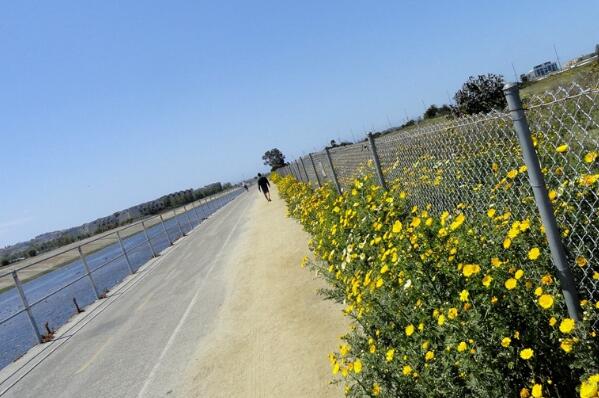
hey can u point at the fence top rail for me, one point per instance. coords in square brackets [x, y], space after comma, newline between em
[76, 245]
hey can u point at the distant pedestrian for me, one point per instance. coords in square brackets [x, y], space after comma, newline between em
[245, 187]
[263, 186]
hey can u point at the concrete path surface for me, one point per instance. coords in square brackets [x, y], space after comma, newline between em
[163, 332]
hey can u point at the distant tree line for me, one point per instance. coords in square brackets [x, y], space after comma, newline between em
[117, 219]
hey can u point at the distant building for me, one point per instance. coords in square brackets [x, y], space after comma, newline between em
[539, 71]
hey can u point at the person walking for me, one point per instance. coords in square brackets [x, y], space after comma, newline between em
[263, 186]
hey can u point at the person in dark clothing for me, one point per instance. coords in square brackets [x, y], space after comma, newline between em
[263, 185]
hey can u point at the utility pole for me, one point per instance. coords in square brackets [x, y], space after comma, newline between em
[559, 64]
[517, 79]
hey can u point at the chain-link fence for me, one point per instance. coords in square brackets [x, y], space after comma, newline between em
[476, 163]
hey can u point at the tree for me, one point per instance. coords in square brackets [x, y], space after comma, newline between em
[481, 94]
[274, 158]
[431, 112]
[32, 252]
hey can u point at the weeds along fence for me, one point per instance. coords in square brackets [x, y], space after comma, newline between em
[536, 159]
[39, 297]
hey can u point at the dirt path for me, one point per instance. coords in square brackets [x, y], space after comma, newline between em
[274, 332]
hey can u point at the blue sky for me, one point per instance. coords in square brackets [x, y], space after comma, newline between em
[110, 103]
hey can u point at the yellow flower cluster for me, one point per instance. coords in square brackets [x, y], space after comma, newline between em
[431, 296]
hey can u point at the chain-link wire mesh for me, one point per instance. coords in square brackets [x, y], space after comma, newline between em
[472, 162]
[350, 161]
[564, 125]
[310, 174]
[475, 163]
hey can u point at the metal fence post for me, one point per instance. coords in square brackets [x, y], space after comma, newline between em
[154, 254]
[333, 172]
[165, 231]
[178, 224]
[188, 218]
[88, 272]
[195, 211]
[305, 171]
[36, 330]
[315, 172]
[537, 182]
[377, 162]
[118, 235]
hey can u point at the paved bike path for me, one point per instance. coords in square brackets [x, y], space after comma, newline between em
[138, 341]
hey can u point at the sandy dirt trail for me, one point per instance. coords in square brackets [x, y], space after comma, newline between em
[273, 332]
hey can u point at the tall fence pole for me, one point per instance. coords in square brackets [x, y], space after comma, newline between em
[188, 218]
[36, 330]
[333, 172]
[178, 224]
[377, 162]
[154, 254]
[170, 242]
[118, 235]
[537, 182]
[195, 211]
[304, 168]
[315, 172]
[299, 173]
[88, 272]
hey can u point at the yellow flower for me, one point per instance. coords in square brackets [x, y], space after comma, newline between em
[590, 387]
[522, 168]
[512, 173]
[567, 345]
[441, 320]
[505, 342]
[562, 148]
[567, 325]
[537, 391]
[495, 262]
[464, 295]
[457, 222]
[519, 274]
[507, 243]
[552, 195]
[415, 222]
[526, 353]
[546, 301]
[384, 269]
[590, 157]
[397, 227]
[538, 291]
[462, 346]
[376, 390]
[491, 213]
[587, 180]
[552, 321]
[344, 349]
[534, 253]
[487, 280]
[524, 393]
[406, 370]
[357, 366]
[429, 356]
[470, 269]
[389, 355]
[379, 282]
[547, 279]
[452, 313]
[511, 284]
[581, 261]
[409, 330]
